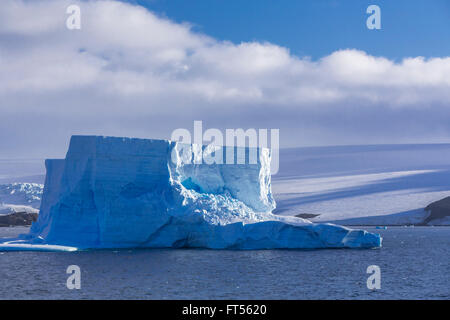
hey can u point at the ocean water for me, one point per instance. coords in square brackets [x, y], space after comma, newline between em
[414, 263]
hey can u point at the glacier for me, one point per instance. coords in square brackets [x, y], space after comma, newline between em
[112, 192]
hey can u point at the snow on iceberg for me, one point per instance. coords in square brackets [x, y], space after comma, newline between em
[137, 193]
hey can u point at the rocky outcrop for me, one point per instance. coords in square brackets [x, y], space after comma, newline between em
[17, 219]
[437, 210]
[307, 215]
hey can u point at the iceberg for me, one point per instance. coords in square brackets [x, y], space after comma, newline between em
[114, 192]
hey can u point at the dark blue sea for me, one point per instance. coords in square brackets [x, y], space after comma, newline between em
[414, 264]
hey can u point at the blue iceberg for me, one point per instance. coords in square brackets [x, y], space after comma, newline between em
[142, 193]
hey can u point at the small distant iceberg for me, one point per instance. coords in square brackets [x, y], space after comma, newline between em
[141, 193]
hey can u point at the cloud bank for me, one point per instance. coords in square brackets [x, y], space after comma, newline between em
[130, 72]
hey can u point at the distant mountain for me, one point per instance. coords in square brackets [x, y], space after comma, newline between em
[363, 185]
[20, 197]
[439, 212]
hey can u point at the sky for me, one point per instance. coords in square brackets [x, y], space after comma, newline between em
[311, 69]
[316, 28]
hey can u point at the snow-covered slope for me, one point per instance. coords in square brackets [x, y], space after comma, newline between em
[20, 197]
[363, 185]
[121, 192]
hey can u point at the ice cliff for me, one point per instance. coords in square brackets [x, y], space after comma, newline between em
[126, 193]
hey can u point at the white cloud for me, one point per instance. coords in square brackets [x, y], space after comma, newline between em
[128, 63]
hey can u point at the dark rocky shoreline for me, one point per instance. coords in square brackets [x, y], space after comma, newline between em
[17, 219]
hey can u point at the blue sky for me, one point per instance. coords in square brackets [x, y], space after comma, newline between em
[317, 28]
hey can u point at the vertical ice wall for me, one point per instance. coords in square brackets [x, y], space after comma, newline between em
[118, 191]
